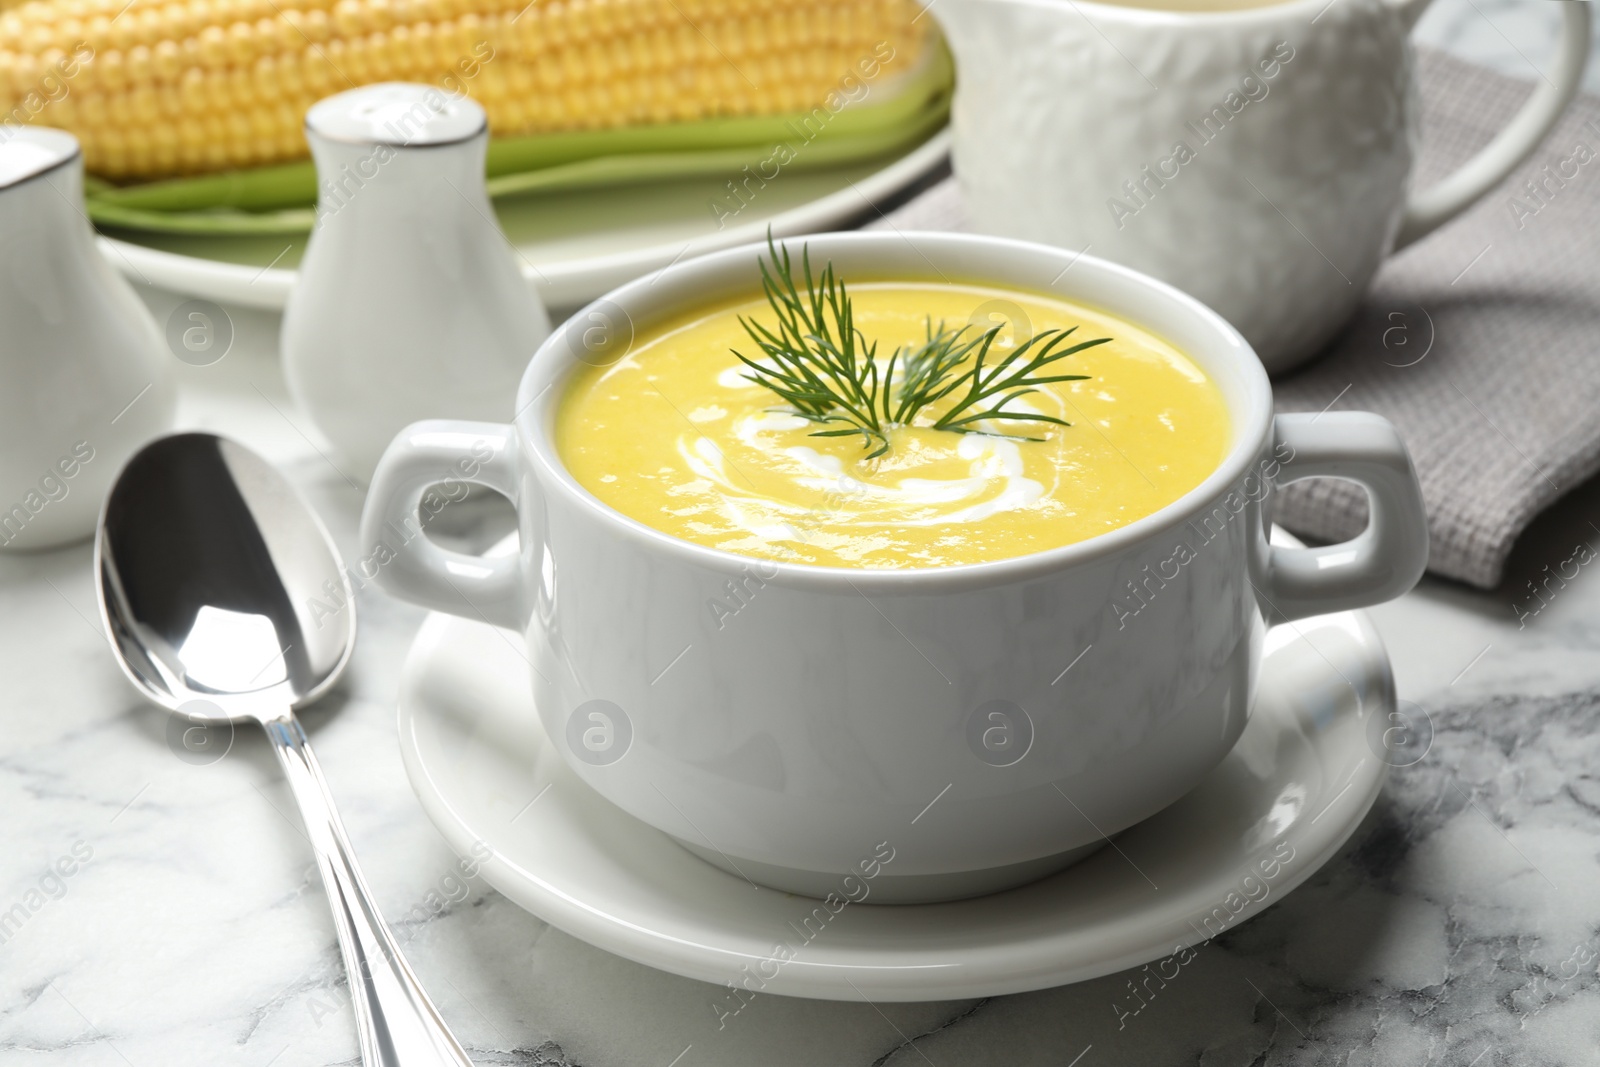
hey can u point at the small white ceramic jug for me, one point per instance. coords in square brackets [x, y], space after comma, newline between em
[409, 303]
[85, 377]
[1254, 153]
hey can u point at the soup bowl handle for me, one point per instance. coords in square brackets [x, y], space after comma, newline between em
[427, 466]
[1384, 560]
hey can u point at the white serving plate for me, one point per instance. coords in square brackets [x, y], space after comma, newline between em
[574, 246]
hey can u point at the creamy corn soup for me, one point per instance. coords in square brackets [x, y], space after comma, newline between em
[677, 436]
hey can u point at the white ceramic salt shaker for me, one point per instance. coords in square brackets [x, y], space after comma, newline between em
[409, 303]
[85, 376]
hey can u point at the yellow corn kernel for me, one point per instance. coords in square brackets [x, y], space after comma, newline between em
[166, 87]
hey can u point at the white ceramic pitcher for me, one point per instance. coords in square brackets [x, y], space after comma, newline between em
[85, 377]
[409, 303]
[1256, 156]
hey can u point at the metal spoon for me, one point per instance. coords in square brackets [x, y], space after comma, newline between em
[214, 585]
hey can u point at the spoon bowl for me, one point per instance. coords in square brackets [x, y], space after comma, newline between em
[224, 599]
[216, 580]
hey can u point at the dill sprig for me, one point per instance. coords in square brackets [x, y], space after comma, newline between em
[823, 366]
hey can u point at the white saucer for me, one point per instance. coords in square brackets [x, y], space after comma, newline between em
[1299, 781]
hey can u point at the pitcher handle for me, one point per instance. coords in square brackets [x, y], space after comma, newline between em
[1433, 207]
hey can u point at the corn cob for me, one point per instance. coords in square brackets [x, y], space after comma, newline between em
[156, 88]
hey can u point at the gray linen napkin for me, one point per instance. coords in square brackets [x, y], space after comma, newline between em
[1481, 342]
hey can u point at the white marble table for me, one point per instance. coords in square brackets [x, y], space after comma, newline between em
[1460, 926]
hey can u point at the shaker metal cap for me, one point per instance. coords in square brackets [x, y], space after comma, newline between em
[399, 114]
[29, 151]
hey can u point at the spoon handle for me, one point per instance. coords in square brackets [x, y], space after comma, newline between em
[397, 1024]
